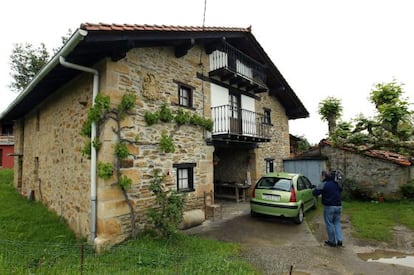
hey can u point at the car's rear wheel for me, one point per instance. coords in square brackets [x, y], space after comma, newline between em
[299, 218]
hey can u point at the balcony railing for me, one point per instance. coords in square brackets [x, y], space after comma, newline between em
[238, 69]
[240, 124]
[6, 140]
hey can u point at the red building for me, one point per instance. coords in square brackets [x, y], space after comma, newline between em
[6, 145]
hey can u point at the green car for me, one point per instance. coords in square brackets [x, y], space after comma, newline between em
[283, 195]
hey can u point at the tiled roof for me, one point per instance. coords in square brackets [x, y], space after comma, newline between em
[165, 28]
[379, 154]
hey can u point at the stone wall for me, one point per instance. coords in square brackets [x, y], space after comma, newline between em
[152, 74]
[279, 146]
[371, 175]
[52, 166]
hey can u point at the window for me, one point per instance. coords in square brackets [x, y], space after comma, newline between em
[234, 103]
[308, 184]
[267, 118]
[185, 96]
[301, 184]
[269, 165]
[185, 176]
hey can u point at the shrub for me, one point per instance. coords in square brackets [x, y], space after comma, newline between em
[353, 190]
[408, 190]
[168, 213]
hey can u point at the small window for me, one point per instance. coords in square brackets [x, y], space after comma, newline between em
[267, 118]
[269, 165]
[185, 96]
[185, 176]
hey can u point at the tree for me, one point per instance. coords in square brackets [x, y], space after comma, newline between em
[26, 61]
[303, 144]
[63, 39]
[330, 109]
[393, 111]
[392, 128]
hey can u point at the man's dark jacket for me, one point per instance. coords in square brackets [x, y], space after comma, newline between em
[331, 192]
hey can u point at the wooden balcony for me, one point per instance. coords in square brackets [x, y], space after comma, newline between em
[239, 125]
[236, 69]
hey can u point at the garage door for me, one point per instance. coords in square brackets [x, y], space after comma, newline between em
[310, 168]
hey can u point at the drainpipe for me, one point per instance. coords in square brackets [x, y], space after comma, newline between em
[95, 87]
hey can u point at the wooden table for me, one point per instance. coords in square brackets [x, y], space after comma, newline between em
[231, 190]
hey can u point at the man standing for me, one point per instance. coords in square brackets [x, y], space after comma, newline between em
[330, 190]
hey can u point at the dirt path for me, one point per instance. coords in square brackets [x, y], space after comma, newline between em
[275, 245]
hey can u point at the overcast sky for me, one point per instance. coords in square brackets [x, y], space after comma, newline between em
[338, 48]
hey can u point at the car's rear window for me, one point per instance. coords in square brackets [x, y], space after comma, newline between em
[274, 183]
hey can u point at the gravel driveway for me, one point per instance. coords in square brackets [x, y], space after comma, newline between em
[275, 246]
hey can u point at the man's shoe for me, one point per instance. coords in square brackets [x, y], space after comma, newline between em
[329, 243]
[339, 244]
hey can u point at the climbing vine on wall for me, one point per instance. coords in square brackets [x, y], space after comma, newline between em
[100, 113]
[180, 117]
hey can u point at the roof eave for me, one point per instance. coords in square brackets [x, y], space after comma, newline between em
[73, 41]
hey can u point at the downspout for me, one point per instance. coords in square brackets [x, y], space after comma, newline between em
[95, 87]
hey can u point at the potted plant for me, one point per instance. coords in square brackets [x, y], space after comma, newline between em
[380, 197]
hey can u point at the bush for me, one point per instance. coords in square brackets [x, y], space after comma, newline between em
[353, 191]
[170, 207]
[408, 190]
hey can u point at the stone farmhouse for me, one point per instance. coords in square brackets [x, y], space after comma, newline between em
[218, 73]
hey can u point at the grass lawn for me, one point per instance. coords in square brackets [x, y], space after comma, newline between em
[34, 240]
[374, 221]
[371, 220]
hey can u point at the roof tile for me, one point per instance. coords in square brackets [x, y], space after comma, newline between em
[136, 27]
[379, 154]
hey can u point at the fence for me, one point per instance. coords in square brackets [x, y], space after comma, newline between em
[48, 258]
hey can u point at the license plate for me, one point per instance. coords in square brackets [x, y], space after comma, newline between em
[271, 197]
